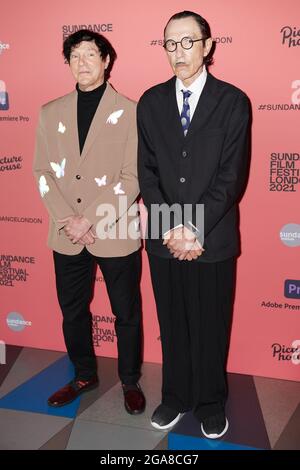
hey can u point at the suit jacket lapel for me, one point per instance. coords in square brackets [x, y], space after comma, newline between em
[206, 104]
[204, 108]
[69, 120]
[173, 118]
[104, 109]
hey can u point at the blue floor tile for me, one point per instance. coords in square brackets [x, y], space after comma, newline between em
[181, 442]
[32, 395]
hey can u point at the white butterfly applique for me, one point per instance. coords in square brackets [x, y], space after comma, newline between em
[113, 117]
[101, 181]
[43, 187]
[118, 190]
[59, 168]
[61, 128]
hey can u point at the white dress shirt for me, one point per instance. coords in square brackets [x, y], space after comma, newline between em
[196, 88]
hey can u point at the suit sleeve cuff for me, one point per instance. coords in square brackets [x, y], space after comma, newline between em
[177, 226]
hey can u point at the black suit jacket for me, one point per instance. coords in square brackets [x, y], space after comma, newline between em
[208, 166]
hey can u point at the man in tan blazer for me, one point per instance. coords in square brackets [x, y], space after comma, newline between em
[85, 166]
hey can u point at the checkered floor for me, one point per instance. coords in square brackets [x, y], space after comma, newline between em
[263, 413]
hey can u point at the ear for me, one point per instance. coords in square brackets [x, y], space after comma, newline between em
[207, 46]
[107, 61]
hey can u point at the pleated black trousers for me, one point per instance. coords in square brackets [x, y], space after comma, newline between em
[74, 283]
[194, 305]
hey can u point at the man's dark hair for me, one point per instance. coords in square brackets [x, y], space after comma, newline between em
[204, 28]
[103, 44]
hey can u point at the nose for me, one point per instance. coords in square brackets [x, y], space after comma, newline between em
[82, 60]
[179, 51]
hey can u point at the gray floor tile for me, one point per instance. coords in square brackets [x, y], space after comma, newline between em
[60, 440]
[290, 438]
[11, 353]
[163, 444]
[246, 422]
[23, 431]
[281, 396]
[110, 407]
[108, 377]
[29, 363]
[90, 435]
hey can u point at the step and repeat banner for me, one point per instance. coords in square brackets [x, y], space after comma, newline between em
[258, 50]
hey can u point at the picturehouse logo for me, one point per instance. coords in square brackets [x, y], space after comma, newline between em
[290, 36]
[295, 98]
[11, 163]
[284, 353]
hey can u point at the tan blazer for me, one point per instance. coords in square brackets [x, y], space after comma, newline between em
[74, 184]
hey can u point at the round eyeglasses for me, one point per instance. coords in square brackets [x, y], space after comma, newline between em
[186, 43]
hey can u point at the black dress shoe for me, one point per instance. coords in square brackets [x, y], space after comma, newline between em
[134, 399]
[71, 391]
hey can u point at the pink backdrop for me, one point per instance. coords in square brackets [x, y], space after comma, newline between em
[258, 46]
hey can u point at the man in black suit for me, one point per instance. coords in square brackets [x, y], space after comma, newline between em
[193, 154]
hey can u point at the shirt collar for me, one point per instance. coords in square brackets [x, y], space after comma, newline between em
[196, 87]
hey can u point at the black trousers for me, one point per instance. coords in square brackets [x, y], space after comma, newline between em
[194, 306]
[74, 283]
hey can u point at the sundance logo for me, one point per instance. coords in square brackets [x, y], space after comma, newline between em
[3, 47]
[290, 235]
[292, 289]
[16, 322]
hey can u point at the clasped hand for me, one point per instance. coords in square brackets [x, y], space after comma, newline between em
[78, 230]
[183, 244]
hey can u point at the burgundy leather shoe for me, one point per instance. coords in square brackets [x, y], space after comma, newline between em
[134, 399]
[71, 391]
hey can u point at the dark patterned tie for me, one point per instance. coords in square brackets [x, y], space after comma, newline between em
[185, 113]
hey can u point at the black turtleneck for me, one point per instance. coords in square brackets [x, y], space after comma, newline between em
[87, 104]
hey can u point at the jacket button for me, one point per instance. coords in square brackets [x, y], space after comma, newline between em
[184, 153]
[78, 177]
[182, 180]
[79, 200]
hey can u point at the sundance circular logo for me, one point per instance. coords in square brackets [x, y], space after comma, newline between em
[290, 235]
[16, 322]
